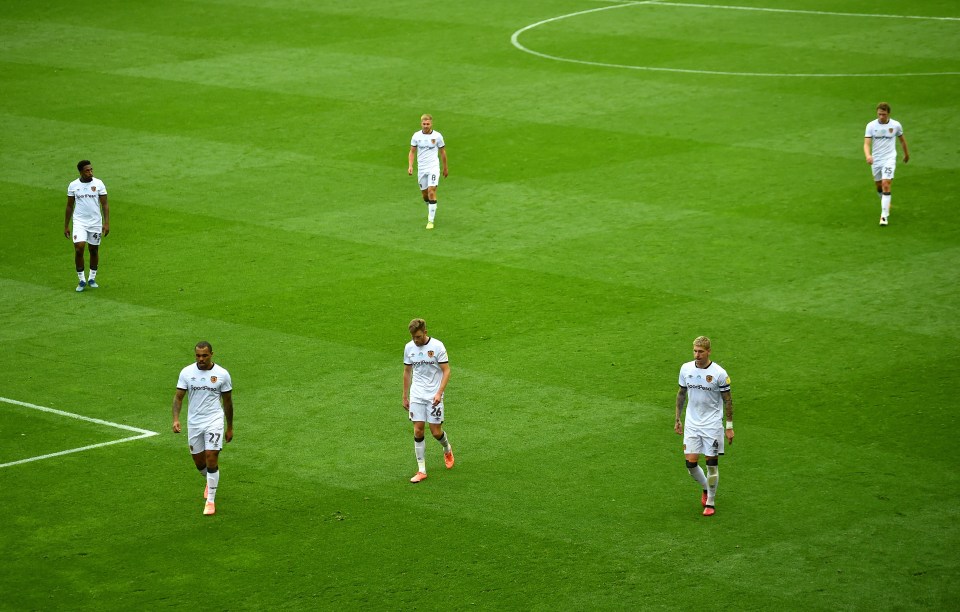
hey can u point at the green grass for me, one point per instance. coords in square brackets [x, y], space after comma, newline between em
[595, 221]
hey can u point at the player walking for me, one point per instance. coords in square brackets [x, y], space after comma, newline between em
[88, 209]
[425, 145]
[880, 149]
[707, 387]
[210, 392]
[426, 372]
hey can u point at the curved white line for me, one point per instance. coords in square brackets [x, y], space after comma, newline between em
[515, 40]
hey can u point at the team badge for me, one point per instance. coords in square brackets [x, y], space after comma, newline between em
[891, 130]
[709, 378]
[213, 379]
[94, 187]
[434, 140]
[430, 354]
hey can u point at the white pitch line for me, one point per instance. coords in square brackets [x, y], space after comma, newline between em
[799, 11]
[515, 41]
[144, 433]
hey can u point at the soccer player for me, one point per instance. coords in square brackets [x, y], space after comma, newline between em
[426, 144]
[707, 387]
[426, 372]
[880, 149]
[87, 207]
[210, 400]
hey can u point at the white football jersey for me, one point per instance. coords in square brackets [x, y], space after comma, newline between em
[428, 148]
[704, 402]
[426, 361]
[204, 388]
[883, 139]
[87, 209]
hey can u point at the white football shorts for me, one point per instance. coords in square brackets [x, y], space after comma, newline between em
[884, 170]
[209, 437]
[425, 411]
[87, 233]
[429, 179]
[707, 442]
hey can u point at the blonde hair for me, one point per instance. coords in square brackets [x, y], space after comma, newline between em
[702, 341]
[416, 325]
[425, 116]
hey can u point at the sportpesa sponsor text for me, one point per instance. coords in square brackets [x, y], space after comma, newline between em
[701, 387]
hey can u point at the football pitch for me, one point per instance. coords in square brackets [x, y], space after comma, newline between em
[624, 177]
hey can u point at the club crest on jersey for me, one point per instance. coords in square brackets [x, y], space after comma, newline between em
[94, 187]
[891, 130]
[213, 379]
[430, 354]
[709, 378]
[434, 140]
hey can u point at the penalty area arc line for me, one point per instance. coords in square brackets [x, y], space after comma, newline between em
[515, 41]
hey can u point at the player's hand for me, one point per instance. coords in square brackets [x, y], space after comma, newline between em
[410, 170]
[445, 173]
[406, 403]
[870, 159]
[729, 434]
[229, 435]
[66, 232]
[176, 427]
[906, 157]
[106, 229]
[678, 426]
[437, 399]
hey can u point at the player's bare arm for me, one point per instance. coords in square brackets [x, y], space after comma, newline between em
[728, 410]
[867, 149]
[71, 202]
[177, 406]
[407, 376]
[906, 153]
[445, 368]
[227, 399]
[443, 160]
[681, 400]
[105, 207]
[410, 157]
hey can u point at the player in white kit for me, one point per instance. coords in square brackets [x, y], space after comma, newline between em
[705, 388]
[425, 146]
[209, 392]
[880, 149]
[426, 372]
[88, 209]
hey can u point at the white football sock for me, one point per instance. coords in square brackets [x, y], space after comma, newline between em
[444, 443]
[885, 205]
[698, 475]
[713, 478]
[212, 481]
[431, 211]
[419, 448]
[93, 273]
[80, 276]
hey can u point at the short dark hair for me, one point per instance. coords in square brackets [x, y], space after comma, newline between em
[883, 106]
[204, 344]
[82, 163]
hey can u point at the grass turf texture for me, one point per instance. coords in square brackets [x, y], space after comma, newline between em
[595, 221]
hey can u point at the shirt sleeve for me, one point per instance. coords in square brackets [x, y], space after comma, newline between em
[227, 382]
[182, 381]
